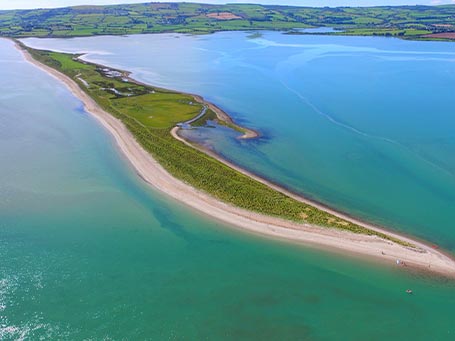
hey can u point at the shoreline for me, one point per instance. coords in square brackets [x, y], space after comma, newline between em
[425, 257]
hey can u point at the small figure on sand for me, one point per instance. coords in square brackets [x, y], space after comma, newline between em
[400, 263]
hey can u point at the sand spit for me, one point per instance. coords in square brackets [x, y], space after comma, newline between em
[422, 257]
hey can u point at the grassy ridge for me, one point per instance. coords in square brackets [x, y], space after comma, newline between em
[412, 22]
[130, 102]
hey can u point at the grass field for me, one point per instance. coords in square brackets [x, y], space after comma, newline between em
[150, 113]
[410, 22]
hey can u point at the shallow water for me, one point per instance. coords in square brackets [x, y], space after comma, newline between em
[88, 251]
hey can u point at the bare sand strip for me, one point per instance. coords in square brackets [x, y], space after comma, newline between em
[373, 247]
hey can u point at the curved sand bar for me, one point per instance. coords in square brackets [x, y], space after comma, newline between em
[422, 257]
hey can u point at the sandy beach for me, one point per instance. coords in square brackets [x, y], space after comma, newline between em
[422, 257]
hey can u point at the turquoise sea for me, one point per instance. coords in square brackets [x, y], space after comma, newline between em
[88, 251]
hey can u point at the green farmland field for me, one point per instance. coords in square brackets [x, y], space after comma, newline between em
[411, 22]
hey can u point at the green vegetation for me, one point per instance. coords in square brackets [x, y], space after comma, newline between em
[411, 22]
[210, 115]
[150, 113]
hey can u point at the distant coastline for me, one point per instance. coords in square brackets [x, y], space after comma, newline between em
[404, 22]
[421, 256]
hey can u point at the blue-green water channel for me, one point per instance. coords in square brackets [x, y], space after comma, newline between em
[87, 251]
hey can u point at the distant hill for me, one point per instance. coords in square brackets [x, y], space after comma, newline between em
[412, 22]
